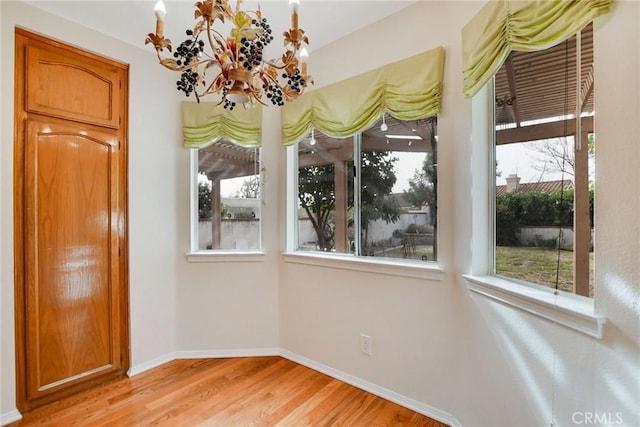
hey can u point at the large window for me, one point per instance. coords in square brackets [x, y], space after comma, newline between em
[544, 163]
[374, 194]
[227, 181]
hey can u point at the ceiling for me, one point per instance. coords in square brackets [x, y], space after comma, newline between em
[323, 21]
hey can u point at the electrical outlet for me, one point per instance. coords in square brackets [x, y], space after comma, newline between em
[366, 344]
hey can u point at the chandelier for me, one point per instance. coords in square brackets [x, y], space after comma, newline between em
[233, 66]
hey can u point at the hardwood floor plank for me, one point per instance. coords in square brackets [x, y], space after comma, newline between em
[232, 374]
[251, 391]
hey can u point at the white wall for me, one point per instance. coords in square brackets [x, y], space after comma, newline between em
[154, 188]
[233, 306]
[482, 362]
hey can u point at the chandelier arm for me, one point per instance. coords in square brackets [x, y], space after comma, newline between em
[191, 66]
[209, 90]
[280, 67]
[219, 39]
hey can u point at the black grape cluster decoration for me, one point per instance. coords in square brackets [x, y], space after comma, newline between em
[251, 49]
[185, 53]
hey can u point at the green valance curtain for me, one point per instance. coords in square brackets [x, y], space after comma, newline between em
[503, 26]
[205, 123]
[409, 89]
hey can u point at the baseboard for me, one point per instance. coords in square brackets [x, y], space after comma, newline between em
[153, 363]
[219, 354]
[385, 393]
[9, 417]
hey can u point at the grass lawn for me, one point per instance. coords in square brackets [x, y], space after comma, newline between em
[538, 265]
[535, 265]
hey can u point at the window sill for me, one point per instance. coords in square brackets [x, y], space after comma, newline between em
[572, 311]
[222, 256]
[417, 270]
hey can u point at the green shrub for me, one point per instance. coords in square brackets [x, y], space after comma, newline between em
[537, 209]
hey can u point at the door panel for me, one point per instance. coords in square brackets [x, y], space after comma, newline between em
[71, 241]
[70, 213]
[57, 84]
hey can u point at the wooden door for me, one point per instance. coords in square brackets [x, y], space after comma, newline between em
[70, 220]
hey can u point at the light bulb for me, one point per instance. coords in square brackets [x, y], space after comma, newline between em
[312, 141]
[295, 4]
[383, 126]
[304, 54]
[160, 11]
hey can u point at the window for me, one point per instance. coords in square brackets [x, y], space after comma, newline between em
[226, 179]
[374, 194]
[544, 166]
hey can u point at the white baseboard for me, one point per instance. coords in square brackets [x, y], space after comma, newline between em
[385, 393]
[219, 354]
[9, 417]
[153, 363]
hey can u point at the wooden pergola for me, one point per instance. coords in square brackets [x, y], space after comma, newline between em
[224, 160]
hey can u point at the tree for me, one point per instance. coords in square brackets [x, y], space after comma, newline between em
[250, 188]
[423, 187]
[378, 178]
[557, 155]
[316, 194]
[204, 196]
[421, 190]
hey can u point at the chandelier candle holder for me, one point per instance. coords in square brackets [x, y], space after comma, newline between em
[233, 66]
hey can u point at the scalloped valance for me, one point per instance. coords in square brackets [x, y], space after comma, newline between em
[206, 123]
[409, 89]
[503, 26]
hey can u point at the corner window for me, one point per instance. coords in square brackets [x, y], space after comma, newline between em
[373, 195]
[544, 166]
[226, 211]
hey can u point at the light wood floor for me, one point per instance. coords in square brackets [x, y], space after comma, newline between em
[261, 391]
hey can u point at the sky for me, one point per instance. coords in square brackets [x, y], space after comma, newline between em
[520, 160]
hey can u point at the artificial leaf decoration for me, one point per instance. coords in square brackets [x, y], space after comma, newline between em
[287, 38]
[199, 27]
[159, 42]
[209, 11]
[232, 47]
[242, 20]
[169, 63]
[291, 62]
[204, 10]
[271, 72]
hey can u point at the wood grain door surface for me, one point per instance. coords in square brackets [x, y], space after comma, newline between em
[70, 220]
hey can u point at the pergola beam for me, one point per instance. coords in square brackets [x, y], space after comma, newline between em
[557, 129]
